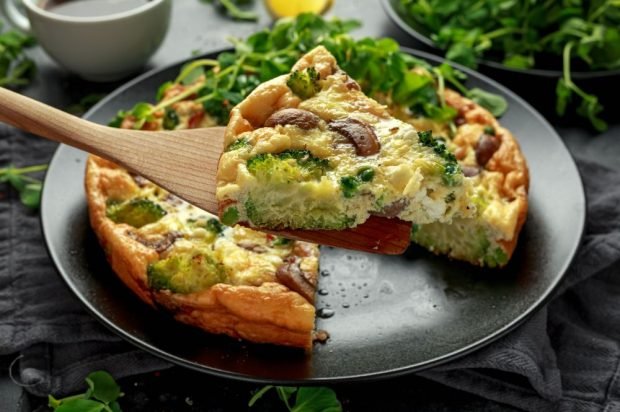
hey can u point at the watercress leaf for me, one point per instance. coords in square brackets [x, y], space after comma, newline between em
[494, 103]
[226, 59]
[80, 405]
[590, 108]
[519, 61]
[563, 95]
[259, 394]
[463, 54]
[141, 110]
[30, 195]
[90, 390]
[115, 407]
[53, 402]
[162, 90]
[312, 399]
[105, 387]
[285, 393]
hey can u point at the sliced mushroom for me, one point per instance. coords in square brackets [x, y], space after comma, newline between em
[291, 276]
[470, 171]
[251, 246]
[392, 210]
[297, 117]
[486, 147]
[159, 243]
[359, 133]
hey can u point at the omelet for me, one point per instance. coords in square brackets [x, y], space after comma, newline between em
[224, 280]
[492, 160]
[308, 150]
[236, 281]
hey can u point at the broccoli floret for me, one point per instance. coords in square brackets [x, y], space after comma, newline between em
[452, 174]
[366, 174]
[281, 241]
[136, 212]
[230, 216]
[304, 84]
[186, 273]
[238, 144]
[171, 119]
[496, 258]
[288, 166]
[213, 225]
[349, 185]
[490, 130]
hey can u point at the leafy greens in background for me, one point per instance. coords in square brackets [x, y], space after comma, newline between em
[522, 33]
[382, 70]
[231, 7]
[101, 396]
[303, 399]
[16, 69]
[28, 187]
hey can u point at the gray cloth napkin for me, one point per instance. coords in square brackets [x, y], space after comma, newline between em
[566, 357]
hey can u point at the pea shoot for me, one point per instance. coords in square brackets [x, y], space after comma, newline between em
[522, 34]
[101, 396]
[302, 399]
[28, 187]
[378, 65]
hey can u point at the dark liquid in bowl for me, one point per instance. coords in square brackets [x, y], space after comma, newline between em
[91, 8]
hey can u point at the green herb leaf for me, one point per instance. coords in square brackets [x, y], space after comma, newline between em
[321, 399]
[81, 405]
[105, 387]
[30, 195]
[494, 103]
[101, 395]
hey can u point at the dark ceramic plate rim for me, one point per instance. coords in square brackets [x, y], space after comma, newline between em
[400, 21]
[498, 333]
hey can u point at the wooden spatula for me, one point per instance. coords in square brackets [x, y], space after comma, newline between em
[183, 162]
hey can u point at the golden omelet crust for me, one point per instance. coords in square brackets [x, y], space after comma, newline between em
[508, 160]
[268, 313]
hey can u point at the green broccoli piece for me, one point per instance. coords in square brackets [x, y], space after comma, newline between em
[281, 241]
[230, 216]
[349, 186]
[214, 226]
[304, 84]
[171, 119]
[238, 144]
[366, 174]
[136, 212]
[288, 166]
[186, 273]
[452, 174]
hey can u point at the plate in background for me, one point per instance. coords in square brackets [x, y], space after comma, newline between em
[392, 315]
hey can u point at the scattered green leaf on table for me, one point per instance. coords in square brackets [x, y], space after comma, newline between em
[28, 187]
[101, 395]
[307, 399]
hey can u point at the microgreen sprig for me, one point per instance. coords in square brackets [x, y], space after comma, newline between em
[383, 71]
[16, 69]
[306, 399]
[521, 34]
[231, 7]
[28, 187]
[101, 396]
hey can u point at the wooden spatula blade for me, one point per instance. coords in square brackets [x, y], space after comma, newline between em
[376, 235]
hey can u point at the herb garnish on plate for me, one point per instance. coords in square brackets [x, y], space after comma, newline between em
[378, 65]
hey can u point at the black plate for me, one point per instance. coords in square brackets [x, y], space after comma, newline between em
[395, 11]
[392, 315]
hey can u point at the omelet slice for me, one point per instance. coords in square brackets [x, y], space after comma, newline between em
[309, 150]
